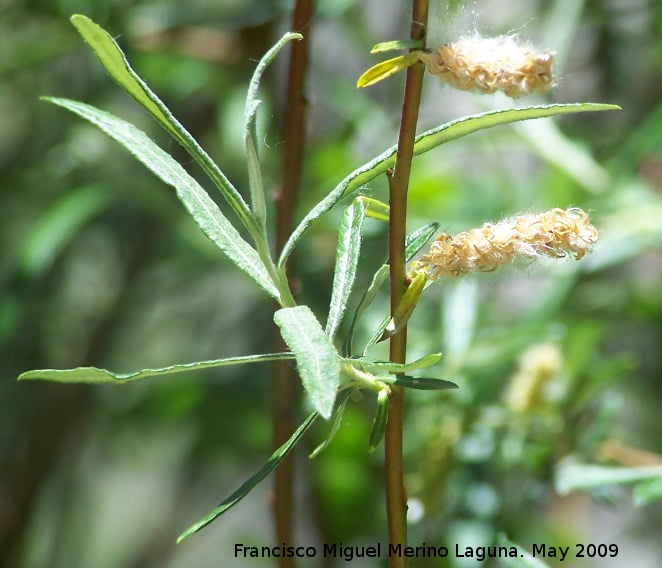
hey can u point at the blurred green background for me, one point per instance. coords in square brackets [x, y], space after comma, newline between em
[101, 266]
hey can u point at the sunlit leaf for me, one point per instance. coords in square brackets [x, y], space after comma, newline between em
[373, 365]
[406, 307]
[277, 457]
[425, 142]
[115, 63]
[397, 44]
[386, 68]
[250, 135]
[317, 360]
[99, 376]
[347, 259]
[202, 208]
[571, 476]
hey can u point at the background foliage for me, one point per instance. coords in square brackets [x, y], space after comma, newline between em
[101, 266]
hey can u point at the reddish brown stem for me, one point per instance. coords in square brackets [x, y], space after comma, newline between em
[396, 496]
[285, 386]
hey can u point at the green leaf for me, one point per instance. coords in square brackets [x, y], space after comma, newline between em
[369, 295]
[114, 62]
[250, 134]
[100, 376]
[425, 142]
[317, 359]
[204, 210]
[277, 457]
[379, 423]
[521, 559]
[342, 400]
[386, 68]
[406, 307]
[374, 208]
[379, 333]
[398, 44]
[419, 383]
[416, 240]
[375, 366]
[58, 225]
[647, 492]
[347, 259]
[571, 476]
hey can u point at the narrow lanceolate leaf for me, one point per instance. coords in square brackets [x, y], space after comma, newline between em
[277, 457]
[386, 68]
[342, 400]
[204, 210]
[374, 208]
[347, 259]
[112, 58]
[99, 376]
[370, 294]
[317, 359]
[425, 142]
[419, 383]
[416, 240]
[379, 423]
[375, 366]
[406, 307]
[571, 477]
[250, 135]
[398, 44]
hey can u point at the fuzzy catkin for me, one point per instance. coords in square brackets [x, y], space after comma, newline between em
[555, 233]
[488, 65]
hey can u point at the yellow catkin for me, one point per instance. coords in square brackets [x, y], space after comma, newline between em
[488, 65]
[555, 233]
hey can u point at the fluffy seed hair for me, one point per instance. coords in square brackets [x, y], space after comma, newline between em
[488, 65]
[556, 233]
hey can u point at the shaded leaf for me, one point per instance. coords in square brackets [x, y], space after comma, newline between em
[386, 68]
[417, 239]
[277, 457]
[317, 359]
[419, 383]
[425, 142]
[379, 423]
[100, 376]
[202, 208]
[341, 401]
[347, 259]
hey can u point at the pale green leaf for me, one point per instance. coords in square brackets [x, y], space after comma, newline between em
[317, 360]
[571, 476]
[275, 459]
[406, 307]
[203, 209]
[341, 402]
[93, 375]
[115, 63]
[250, 135]
[375, 366]
[397, 44]
[347, 259]
[425, 142]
